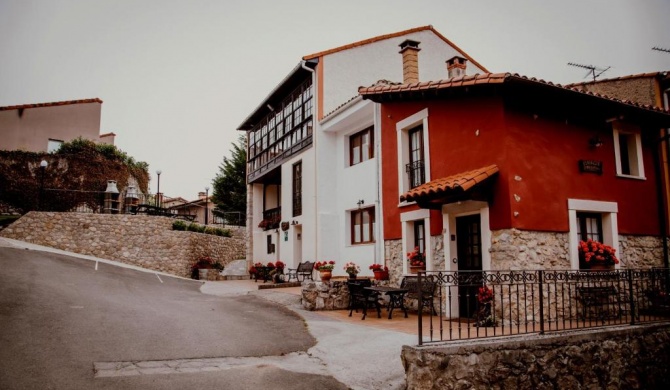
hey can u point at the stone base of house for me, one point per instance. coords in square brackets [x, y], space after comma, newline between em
[522, 249]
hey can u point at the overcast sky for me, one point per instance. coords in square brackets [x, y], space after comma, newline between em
[178, 77]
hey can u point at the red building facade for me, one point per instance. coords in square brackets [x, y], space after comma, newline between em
[501, 171]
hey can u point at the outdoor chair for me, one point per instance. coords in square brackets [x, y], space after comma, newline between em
[360, 298]
[428, 288]
[304, 269]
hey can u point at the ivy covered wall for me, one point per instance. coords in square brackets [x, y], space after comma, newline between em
[77, 173]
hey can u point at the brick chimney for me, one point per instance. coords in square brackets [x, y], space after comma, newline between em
[456, 66]
[201, 196]
[410, 61]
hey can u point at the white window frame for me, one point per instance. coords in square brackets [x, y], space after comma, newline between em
[608, 210]
[407, 221]
[402, 130]
[636, 163]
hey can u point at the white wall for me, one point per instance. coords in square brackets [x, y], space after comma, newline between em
[341, 186]
[347, 70]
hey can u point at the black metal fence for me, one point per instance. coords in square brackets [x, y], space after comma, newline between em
[92, 201]
[474, 304]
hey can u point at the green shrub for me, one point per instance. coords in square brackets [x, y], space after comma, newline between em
[210, 230]
[192, 227]
[179, 225]
[6, 220]
[223, 233]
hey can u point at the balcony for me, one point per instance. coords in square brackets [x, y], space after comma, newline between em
[271, 219]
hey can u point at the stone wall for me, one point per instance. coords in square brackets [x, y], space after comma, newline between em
[513, 249]
[641, 252]
[142, 240]
[332, 295]
[631, 358]
[395, 259]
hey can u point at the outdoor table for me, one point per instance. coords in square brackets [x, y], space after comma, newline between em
[396, 297]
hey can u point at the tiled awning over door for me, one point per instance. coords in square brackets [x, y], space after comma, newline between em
[447, 189]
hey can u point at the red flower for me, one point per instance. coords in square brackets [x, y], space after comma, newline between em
[593, 250]
[484, 295]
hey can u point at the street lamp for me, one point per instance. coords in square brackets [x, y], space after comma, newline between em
[158, 191]
[43, 167]
[206, 204]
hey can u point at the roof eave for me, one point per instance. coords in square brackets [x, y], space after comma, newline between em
[248, 121]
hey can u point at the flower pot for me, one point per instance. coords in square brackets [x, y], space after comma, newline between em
[202, 274]
[326, 275]
[415, 270]
[600, 267]
[381, 275]
[352, 276]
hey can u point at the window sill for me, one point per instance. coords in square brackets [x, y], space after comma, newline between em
[362, 243]
[631, 177]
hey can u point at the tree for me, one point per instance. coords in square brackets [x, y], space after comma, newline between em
[230, 184]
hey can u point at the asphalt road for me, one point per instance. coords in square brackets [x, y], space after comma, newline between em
[60, 317]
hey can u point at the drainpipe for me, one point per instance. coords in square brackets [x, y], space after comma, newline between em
[660, 195]
[379, 252]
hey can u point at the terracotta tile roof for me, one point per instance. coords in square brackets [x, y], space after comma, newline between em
[627, 77]
[459, 182]
[63, 103]
[484, 79]
[393, 35]
[338, 108]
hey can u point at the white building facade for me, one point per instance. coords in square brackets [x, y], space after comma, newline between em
[314, 155]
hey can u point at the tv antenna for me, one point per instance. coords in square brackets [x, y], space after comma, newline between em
[592, 70]
[660, 49]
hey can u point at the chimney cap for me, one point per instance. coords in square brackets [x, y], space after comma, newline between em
[456, 60]
[409, 44]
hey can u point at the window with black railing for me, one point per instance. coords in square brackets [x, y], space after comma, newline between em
[297, 189]
[416, 173]
[415, 168]
[271, 219]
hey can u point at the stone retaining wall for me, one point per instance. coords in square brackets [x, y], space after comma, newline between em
[624, 358]
[333, 295]
[142, 240]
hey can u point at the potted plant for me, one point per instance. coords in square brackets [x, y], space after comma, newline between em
[596, 256]
[352, 269]
[277, 271]
[416, 260]
[484, 314]
[325, 268]
[200, 269]
[381, 271]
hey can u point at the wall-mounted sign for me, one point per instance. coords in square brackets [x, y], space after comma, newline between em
[591, 166]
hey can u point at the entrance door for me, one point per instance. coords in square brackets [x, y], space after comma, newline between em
[469, 243]
[297, 245]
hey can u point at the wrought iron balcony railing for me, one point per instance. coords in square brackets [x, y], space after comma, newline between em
[416, 171]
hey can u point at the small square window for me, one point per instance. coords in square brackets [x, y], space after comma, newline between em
[54, 145]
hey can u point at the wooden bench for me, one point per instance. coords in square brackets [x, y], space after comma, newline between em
[305, 269]
[599, 302]
[427, 291]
